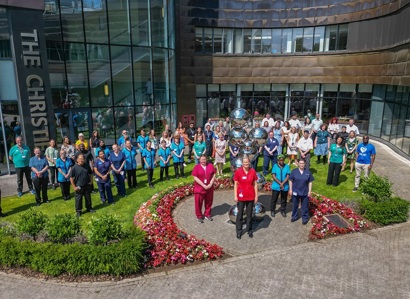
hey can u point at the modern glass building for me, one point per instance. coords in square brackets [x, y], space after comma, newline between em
[348, 59]
[76, 66]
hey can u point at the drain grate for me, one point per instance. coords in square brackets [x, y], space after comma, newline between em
[337, 220]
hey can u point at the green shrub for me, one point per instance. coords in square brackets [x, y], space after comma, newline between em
[8, 229]
[31, 222]
[377, 187]
[104, 229]
[393, 210]
[121, 258]
[62, 228]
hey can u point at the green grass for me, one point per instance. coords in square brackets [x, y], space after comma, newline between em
[126, 207]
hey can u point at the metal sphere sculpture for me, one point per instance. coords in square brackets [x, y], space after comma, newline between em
[249, 149]
[258, 213]
[258, 135]
[237, 136]
[239, 118]
[261, 180]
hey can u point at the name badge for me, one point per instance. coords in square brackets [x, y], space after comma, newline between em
[244, 178]
[23, 157]
[206, 181]
[295, 194]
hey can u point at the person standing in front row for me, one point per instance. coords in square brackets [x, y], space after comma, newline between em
[280, 185]
[245, 195]
[117, 159]
[204, 177]
[365, 156]
[130, 164]
[64, 165]
[39, 175]
[148, 155]
[81, 180]
[20, 155]
[164, 154]
[300, 188]
[336, 160]
[102, 167]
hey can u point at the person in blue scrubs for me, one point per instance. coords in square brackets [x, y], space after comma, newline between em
[141, 143]
[103, 148]
[148, 155]
[117, 159]
[270, 153]
[164, 154]
[102, 169]
[280, 185]
[177, 150]
[300, 188]
[130, 164]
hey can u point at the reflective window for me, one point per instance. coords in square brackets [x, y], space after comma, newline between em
[95, 21]
[122, 75]
[286, 41]
[266, 41]
[72, 21]
[198, 40]
[161, 78]
[247, 40]
[99, 75]
[256, 40]
[143, 86]
[120, 22]
[276, 40]
[308, 39]
[125, 120]
[217, 40]
[208, 40]
[228, 40]
[140, 23]
[319, 38]
[342, 37]
[238, 41]
[330, 38]
[5, 50]
[297, 40]
[172, 77]
[158, 21]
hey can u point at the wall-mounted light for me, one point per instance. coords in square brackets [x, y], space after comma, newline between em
[106, 90]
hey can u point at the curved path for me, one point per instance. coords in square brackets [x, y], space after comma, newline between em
[276, 263]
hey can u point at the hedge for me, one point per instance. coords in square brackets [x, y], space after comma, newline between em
[120, 258]
[392, 210]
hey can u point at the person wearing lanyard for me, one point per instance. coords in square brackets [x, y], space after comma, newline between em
[233, 154]
[280, 185]
[270, 153]
[39, 175]
[305, 144]
[102, 169]
[117, 159]
[191, 140]
[177, 150]
[336, 160]
[64, 165]
[246, 194]
[148, 154]
[164, 154]
[19, 154]
[204, 177]
[209, 137]
[51, 156]
[81, 180]
[130, 164]
[300, 188]
[199, 148]
[103, 148]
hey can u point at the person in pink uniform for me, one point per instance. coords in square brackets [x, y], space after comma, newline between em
[204, 177]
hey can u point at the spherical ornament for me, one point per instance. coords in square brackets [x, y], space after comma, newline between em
[261, 180]
[237, 135]
[249, 149]
[233, 211]
[237, 163]
[258, 135]
[239, 117]
[259, 211]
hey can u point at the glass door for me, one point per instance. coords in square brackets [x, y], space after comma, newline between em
[10, 128]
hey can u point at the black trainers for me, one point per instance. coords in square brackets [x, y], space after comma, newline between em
[91, 211]
[78, 214]
[200, 220]
[209, 218]
[354, 189]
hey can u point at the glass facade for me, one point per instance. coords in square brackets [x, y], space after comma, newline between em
[112, 65]
[271, 41]
[379, 110]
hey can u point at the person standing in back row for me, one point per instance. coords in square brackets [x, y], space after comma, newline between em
[365, 156]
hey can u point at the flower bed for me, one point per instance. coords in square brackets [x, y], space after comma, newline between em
[168, 244]
[320, 206]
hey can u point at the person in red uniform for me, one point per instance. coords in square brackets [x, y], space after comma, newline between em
[246, 195]
[204, 177]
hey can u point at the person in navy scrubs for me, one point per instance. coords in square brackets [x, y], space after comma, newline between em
[102, 169]
[148, 155]
[117, 159]
[300, 188]
[270, 153]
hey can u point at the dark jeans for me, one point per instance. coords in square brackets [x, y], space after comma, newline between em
[179, 168]
[190, 147]
[268, 160]
[254, 164]
[161, 172]
[65, 189]
[150, 174]
[305, 207]
[86, 192]
[40, 185]
[307, 161]
[333, 173]
[119, 181]
[20, 172]
[208, 152]
[249, 210]
[274, 200]
[53, 174]
[105, 191]
[132, 178]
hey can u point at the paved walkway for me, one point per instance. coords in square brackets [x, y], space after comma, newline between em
[277, 263]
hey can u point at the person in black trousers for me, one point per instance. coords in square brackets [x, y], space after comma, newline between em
[191, 131]
[280, 185]
[336, 160]
[81, 180]
[39, 175]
